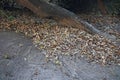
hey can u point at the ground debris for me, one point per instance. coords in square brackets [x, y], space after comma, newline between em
[59, 40]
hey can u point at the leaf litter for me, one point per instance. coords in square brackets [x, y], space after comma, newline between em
[56, 40]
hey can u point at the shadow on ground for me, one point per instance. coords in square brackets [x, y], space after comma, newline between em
[20, 60]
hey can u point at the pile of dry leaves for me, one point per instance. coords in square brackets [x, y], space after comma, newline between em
[59, 40]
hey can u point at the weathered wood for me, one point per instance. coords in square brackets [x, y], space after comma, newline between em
[63, 16]
[102, 7]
